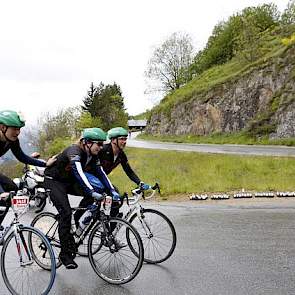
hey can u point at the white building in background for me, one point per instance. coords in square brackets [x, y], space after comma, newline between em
[137, 124]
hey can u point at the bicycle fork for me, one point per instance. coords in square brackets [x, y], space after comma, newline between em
[144, 224]
[22, 247]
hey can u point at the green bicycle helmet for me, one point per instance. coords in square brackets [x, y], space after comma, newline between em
[11, 119]
[94, 134]
[117, 132]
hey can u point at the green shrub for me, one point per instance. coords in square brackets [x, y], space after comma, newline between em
[12, 169]
[57, 145]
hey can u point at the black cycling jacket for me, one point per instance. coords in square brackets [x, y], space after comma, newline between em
[15, 147]
[108, 162]
[70, 166]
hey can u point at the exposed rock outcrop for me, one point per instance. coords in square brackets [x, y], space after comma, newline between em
[264, 95]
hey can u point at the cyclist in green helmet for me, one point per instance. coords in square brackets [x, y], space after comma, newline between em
[67, 176]
[11, 123]
[111, 155]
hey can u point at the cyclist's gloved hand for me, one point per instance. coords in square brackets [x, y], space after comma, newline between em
[116, 196]
[144, 186]
[97, 196]
[4, 196]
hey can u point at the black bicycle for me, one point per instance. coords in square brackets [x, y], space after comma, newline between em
[156, 230]
[114, 247]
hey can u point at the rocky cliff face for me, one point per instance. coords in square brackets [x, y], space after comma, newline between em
[264, 96]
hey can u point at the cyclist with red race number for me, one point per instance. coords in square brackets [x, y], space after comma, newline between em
[11, 123]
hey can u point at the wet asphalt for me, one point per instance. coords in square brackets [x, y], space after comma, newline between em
[253, 150]
[235, 149]
[221, 249]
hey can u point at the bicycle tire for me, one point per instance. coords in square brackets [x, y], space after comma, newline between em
[26, 275]
[160, 243]
[119, 265]
[48, 224]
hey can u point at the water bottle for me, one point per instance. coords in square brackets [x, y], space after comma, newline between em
[83, 221]
[107, 205]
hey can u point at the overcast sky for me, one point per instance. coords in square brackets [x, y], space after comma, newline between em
[50, 51]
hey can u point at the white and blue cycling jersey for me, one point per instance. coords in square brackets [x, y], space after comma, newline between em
[70, 167]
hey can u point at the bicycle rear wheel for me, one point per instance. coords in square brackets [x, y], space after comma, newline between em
[110, 254]
[157, 233]
[21, 272]
[48, 224]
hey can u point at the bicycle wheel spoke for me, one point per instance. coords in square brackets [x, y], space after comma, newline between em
[157, 233]
[116, 261]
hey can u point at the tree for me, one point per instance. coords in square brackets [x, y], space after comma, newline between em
[288, 16]
[263, 16]
[239, 35]
[106, 104]
[249, 42]
[219, 48]
[253, 22]
[60, 125]
[87, 121]
[88, 105]
[170, 62]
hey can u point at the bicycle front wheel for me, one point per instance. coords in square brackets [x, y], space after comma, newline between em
[21, 272]
[110, 253]
[47, 223]
[157, 233]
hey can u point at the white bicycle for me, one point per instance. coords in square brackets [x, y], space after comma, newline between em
[25, 252]
[156, 230]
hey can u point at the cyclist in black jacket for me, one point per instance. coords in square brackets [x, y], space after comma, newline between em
[10, 125]
[66, 176]
[112, 155]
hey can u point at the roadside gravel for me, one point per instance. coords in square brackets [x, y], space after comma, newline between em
[254, 202]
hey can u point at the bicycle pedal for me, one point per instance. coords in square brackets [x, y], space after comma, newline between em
[25, 263]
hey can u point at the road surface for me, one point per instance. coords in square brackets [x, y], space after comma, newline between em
[221, 249]
[260, 150]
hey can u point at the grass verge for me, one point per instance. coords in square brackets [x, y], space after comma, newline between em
[186, 172]
[183, 173]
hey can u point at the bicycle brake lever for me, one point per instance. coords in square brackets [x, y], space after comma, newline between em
[11, 194]
[157, 187]
[127, 198]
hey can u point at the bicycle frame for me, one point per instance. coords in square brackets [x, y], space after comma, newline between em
[19, 239]
[86, 230]
[135, 206]
[79, 239]
[25, 249]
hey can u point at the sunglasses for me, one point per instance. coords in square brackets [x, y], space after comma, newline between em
[122, 138]
[99, 143]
